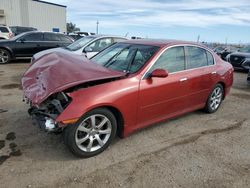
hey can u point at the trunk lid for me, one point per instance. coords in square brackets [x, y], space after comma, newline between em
[57, 71]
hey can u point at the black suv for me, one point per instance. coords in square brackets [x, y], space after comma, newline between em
[240, 59]
[20, 29]
[27, 44]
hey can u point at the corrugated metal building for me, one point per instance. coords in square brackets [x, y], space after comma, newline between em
[33, 13]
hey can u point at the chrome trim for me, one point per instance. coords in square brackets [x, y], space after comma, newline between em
[23, 57]
[182, 45]
[183, 79]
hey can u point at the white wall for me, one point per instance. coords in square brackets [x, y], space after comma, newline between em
[43, 16]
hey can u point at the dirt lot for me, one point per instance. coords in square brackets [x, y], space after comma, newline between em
[195, 150]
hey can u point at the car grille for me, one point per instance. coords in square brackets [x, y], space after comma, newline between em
[236, 60]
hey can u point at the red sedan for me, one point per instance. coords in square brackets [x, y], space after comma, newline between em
[128, 86]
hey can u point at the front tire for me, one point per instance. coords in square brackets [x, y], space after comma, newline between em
[92, 134]
[4, 56]
[214, 99]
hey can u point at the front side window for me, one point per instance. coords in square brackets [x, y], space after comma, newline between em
[125, 57]
[172, 60]
[100, 44]
[4, 30]
[196, 57]
[33, 37]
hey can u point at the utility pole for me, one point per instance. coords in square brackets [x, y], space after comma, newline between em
[97, 23]
[198, 38]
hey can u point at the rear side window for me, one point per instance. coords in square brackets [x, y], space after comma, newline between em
[4, 30]
[51, 37]
[172, 60]
[33, 37]
[210, 59]
[65, 39]
[196, 57]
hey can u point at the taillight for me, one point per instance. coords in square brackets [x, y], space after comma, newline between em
[11, 35]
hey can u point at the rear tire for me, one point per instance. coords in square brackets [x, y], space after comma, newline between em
[4, 56]
[214, 99]
[92, 134]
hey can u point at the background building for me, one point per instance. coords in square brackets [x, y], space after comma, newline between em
[33, 13]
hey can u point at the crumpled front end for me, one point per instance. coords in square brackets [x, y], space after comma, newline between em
[45, 114]
[51, 76]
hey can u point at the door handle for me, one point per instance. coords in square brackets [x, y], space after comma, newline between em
[214, 72]
[183, 79]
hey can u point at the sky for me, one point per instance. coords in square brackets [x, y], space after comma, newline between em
[212, 20]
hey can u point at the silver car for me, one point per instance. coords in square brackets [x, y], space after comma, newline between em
[91, 45]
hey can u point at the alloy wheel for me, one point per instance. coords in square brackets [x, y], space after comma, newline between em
[216, 98]
[4, 57]
[93, 133]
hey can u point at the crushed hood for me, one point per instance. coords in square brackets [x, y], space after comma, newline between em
[56, 71]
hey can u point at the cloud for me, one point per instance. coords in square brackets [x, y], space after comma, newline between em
[162, 13]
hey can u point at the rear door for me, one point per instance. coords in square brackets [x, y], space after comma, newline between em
[52, 40]
[160, 98]
[201, 74]
[29, 44]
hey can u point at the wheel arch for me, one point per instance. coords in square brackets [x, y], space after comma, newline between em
[119, 118]
[224, 88]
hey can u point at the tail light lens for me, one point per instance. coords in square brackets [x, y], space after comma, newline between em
[11, 35]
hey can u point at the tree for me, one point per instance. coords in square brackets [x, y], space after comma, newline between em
[72, 27]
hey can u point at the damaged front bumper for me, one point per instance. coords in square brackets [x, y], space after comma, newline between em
[43, 120]
[46, 113]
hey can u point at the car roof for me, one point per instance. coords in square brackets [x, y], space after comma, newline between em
[103, 36]
[161, 42]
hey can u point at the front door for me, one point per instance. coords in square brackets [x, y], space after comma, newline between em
[160, 98]
[28, 45]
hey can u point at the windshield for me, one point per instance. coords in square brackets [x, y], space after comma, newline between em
[79, 43]
[125, 57]
[245, 49]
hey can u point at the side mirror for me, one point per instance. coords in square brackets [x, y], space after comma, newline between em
[87, 49]
[159, 73]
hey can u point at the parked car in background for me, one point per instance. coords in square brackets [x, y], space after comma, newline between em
[227, 50]
[5, 32]
[223, 51]
[76, 36]
[79, 34]
[20, 29]
[25, 45]
[127, 86]
[240, 59]
[91, 45]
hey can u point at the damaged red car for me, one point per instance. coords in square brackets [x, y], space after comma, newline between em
[127, 86]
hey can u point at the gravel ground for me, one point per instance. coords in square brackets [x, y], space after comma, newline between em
[194, 150]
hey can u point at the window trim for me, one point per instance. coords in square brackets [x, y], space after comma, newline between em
[144, 76]
[19, 39]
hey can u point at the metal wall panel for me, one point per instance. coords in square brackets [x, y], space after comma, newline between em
[31, 13]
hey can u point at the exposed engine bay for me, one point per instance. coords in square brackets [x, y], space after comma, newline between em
[46, 113]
